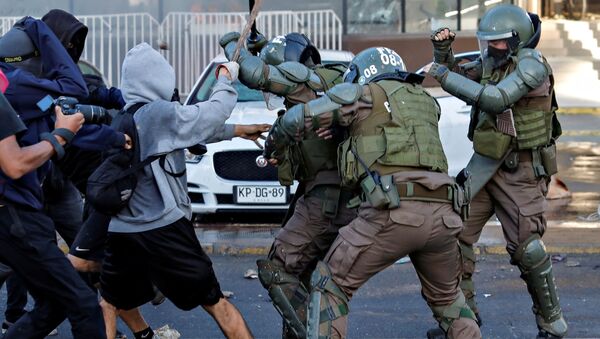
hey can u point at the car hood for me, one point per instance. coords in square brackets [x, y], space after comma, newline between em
[255, 112]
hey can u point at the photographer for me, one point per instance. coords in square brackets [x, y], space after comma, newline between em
[26, 243]
[32, 78]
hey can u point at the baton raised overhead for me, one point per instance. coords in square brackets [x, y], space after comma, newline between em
[250, 26]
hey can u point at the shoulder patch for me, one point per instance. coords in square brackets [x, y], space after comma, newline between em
[345, 93]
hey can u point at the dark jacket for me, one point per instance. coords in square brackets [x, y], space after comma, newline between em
[61, 77]
[72, 33]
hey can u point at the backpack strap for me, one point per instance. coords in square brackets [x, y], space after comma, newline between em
[138, 166]
[162, 165]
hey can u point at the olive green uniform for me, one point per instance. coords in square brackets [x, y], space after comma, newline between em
[393, 132]
[526, 157]
[320, 206]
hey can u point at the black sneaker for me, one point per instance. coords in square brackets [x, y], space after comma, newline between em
[120, 335]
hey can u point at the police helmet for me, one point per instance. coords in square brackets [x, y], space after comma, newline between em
[373, 62]
[291, 47]
[508, 22]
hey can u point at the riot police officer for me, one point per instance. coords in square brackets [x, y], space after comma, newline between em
[290, 66]
[409, 204]
[513, 128]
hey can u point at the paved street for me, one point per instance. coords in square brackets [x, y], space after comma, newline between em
[390, 305]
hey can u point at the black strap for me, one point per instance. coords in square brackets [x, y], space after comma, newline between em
[173, 174]
[20, 58]
[138, 166]
[408, 77]
[60, 151]
[64, 133]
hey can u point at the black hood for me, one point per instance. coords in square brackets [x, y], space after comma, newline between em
[537, 31]
[70, 31]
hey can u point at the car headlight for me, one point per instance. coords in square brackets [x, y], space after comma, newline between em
[192, 158]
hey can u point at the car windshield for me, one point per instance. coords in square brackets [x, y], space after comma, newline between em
[244, 93]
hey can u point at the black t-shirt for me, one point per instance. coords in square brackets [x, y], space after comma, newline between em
[10, 123]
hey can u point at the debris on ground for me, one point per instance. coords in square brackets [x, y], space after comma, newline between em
[486, 295]
[558, 257]
[403, 260]
[251, 274]
[166, 332]
[227, 294]
[572, 263]
[592, 217]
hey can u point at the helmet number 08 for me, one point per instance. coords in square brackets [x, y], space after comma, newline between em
[371, 70]
[388, 56]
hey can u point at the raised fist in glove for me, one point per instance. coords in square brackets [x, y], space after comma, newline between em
[442, 43]
[229, 69]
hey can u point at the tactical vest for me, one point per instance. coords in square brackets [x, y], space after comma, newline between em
[312, 154]
[534, 116]
[400, 133]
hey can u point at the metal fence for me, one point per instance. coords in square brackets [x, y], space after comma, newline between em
[191, 39]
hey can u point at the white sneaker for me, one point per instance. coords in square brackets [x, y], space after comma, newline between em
[166, 332]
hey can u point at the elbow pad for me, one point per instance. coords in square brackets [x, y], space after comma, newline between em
[292, 122]
[461, 87]
[252, 72]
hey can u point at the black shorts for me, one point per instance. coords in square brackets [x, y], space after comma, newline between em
[90, 242]
[169, 257]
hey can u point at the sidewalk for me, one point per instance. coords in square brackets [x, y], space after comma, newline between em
[564, 237]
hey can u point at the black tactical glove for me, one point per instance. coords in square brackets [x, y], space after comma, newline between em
[442, 49]
[438, 72]
[255, 43]
[275, 143]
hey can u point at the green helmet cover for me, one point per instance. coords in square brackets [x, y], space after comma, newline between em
[506, 22]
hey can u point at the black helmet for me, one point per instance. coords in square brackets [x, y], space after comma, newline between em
[15, 45]
[17, 49]
[291, 47]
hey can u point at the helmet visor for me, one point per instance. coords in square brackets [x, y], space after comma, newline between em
[498, 50]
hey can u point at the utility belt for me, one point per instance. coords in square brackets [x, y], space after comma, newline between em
[332, 197]
[542, 159]
[387, 195]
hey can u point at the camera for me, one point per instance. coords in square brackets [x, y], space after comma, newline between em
[69, 105]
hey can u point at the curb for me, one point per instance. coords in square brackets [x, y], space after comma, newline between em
[223, 249]
[579, 110]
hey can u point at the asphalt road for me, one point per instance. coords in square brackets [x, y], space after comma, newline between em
[390, 304]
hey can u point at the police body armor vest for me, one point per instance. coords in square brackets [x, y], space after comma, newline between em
[534, 116]
[313, 154]
[401, 133]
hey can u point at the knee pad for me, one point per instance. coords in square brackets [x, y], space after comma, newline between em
[536, 269]
[323, 310]
[288, 294]
[468, 257]
[447, 314]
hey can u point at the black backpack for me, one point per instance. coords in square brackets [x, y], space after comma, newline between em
[112, 184]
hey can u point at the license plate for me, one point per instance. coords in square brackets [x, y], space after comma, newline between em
[260, 194]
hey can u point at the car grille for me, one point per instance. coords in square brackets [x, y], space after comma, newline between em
[241, 165]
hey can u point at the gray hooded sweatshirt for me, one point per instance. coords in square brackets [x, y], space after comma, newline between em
[166, 127]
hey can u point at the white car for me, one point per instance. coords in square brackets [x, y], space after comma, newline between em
[232, 175]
